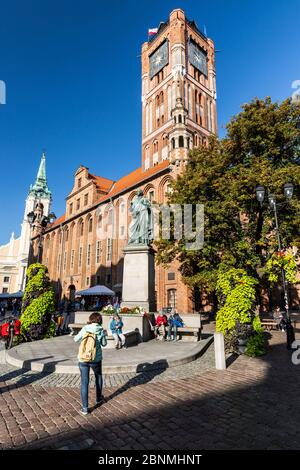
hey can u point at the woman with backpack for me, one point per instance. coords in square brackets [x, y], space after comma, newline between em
[92, 338]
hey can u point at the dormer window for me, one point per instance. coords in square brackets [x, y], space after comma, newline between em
[79, 183]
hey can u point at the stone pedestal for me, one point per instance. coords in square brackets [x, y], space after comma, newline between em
[139, 277]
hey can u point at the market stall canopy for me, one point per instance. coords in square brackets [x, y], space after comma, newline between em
[96, 290]
[15, 295]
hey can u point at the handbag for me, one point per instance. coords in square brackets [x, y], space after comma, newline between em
[103, 340]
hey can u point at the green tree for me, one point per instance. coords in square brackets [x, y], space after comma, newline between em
[262, 146]
[38, 305]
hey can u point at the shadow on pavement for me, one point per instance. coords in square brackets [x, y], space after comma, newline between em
[252, 405]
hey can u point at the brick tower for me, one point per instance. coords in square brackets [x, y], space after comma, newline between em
[178, 91]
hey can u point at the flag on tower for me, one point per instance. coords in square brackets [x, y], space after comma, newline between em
[152, 32]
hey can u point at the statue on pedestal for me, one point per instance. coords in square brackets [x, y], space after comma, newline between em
[141, 226]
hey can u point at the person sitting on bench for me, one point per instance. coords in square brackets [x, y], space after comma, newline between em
[161, 325]
[116, 326]
[175, 321]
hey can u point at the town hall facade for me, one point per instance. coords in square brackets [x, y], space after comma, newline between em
[84, 247]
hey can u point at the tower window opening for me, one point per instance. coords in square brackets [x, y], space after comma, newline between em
[181, 141]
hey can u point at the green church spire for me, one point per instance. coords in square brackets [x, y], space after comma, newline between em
[40, 187]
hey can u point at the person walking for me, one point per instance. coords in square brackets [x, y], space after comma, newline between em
[92, 338]
[116, 327]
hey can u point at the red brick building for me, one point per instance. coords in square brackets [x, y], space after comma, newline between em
[84, 247]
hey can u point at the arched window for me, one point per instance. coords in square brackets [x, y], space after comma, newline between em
[180, 119]
[190, 101]
[181, 141]
[169, 101]
[173, 143]
[150, 117]
[146, 119]
[162, 107]
[110, 216]
[90, 224]
[172, 298]
[81, 228]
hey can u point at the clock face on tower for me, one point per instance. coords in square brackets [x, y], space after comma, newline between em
[159, 59]
[197, 57]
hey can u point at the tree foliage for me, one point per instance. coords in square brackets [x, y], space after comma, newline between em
[38, 304]
[262, 146]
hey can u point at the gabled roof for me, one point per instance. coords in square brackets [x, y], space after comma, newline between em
[104, 184]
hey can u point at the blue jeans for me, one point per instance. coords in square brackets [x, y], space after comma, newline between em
[172, 328]
[84, 368]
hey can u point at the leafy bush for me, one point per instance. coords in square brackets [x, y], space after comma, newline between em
[236, 318]
[241, 331]
[38, 305]
[256, 345]
[236, 292]
[279, 261]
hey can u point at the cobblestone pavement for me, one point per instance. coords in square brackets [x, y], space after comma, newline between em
[16, 376]
[252, 405]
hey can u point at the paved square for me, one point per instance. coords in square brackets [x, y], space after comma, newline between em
[252, 405]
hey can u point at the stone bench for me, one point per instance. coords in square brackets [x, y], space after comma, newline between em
[191, 331]
[132, 336]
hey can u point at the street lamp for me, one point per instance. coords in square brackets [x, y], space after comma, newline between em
[288, 192]
[288, 189]
[260, 194]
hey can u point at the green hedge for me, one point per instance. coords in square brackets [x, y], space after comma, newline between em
[38, 305]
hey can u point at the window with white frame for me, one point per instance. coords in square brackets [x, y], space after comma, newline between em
[98, 251]
[65, 261]
[72, 258]
[88, 255]
[172, 298]
[108, 251]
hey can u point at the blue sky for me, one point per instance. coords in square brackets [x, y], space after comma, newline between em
[72, 71]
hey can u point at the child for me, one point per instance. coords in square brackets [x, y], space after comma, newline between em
[116, 326]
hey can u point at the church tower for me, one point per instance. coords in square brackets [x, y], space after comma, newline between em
[38, 193]
[178, 91]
